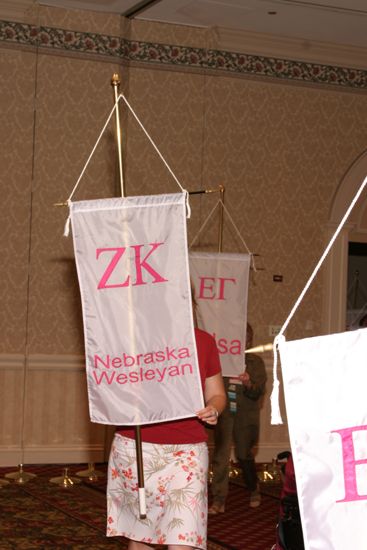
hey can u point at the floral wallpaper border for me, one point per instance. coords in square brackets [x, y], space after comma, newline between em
[180, 56]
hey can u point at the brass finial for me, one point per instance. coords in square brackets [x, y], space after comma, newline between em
[260, 349]
[115, 80]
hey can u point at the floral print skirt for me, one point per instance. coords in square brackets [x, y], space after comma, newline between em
[175, 479]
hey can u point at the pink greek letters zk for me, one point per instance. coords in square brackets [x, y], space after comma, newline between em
[139, 264]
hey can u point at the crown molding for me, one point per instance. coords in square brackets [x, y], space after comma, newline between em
[224, 60]
[268, 45]
[237, 40]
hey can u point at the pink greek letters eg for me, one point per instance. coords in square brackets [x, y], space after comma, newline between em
[212, 288]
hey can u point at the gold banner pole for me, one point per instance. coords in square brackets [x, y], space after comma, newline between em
[220, 237]
[115, 83]
[140, 468]
[204, 191]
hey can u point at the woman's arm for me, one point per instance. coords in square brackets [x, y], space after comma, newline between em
[254, 378]
[215, 399]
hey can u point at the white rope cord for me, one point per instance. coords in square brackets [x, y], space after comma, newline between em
[234, 225]
[92, 153]
[121, 96]
[204, 224]
[275, 412]
[239, 235]
[67, 223]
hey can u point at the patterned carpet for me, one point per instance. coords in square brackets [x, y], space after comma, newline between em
[40, 515]
[242, 527]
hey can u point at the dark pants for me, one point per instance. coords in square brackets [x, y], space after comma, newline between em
[233, 428]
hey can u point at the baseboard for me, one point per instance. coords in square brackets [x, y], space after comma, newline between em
[52, 455]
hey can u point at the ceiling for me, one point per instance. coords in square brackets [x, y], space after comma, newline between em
[340, 22]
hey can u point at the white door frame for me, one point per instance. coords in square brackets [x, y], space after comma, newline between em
[336, 263]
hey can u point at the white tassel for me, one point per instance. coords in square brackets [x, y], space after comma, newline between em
[67, 227]
[188, 208]
[276, 417]
[67, 223]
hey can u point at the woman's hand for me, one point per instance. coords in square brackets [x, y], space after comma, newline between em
[208, 415]
[215, 400]
[245, 379]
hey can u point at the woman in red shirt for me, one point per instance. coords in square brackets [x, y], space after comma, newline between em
[175, 470]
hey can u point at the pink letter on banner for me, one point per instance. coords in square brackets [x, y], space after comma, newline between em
[350, 463]
[141, 355]
[329, 463]
[221, 285]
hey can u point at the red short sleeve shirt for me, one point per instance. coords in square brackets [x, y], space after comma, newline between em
[187, 430]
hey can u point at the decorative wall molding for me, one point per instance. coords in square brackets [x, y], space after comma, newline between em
[180, 57]
[12, 456]
[45, 371]
[11, 361]
[261, 44]
[56, 362]
[16, 361]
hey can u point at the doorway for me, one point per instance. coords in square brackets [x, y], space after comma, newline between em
[357, 284]
[343, 261]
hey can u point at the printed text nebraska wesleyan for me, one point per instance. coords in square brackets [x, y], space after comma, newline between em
[136, 364]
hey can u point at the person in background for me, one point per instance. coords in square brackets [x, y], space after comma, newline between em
[175, 458]
[239, 423]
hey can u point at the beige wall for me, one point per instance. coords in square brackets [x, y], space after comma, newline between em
[279, 144]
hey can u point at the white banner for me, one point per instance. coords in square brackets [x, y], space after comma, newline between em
[221, 288]
[325, 381]
[132, 262]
